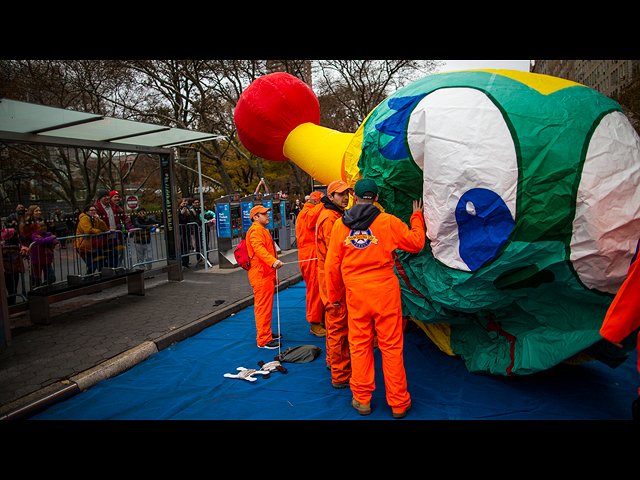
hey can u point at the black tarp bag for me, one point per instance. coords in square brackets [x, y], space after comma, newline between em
[299, 354]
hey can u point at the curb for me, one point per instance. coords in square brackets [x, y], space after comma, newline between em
[44, 398]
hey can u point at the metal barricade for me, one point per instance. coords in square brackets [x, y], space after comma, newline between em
[139, 248]
[53, 264]
[191, 242]
[292, 230]
[146, 247]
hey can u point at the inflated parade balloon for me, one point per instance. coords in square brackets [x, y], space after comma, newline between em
[531, 201]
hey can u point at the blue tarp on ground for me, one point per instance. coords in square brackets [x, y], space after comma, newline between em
[186, 382]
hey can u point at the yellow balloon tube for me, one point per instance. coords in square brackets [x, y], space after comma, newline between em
[319, 151]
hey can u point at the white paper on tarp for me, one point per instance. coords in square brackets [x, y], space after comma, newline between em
[607, 222]
[460, 140]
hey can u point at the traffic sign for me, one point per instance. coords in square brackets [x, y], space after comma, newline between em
[132, 202]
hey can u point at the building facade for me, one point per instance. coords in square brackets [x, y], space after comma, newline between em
[605, 76]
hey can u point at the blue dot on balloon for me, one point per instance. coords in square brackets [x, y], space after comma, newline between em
[484, 225]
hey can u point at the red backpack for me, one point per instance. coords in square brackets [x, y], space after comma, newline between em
[242, 255]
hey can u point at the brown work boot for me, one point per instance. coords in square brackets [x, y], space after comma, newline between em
[340, 385]
[403, 413]
[362, 409]
[318, 330]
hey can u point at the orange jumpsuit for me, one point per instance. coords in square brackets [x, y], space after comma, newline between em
[262, 277]
[336, 322]
[306, 238]
[362, 263]
[623, 316]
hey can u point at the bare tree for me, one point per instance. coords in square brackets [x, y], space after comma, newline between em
[198, 95]
[193, 94]
[82, 85]
[350, 89]
[202, 95]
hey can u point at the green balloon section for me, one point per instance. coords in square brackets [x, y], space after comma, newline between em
[520, 306]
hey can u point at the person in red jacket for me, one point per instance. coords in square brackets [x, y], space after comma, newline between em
[623, 319]
[306, 239]
[110, 212]
[360, 261]
[262, 274]
[338, 356]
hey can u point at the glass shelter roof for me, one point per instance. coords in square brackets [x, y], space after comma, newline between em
[20, 121]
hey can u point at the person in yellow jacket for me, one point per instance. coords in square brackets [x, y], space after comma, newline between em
[262, 274]
[306, 239]
[338, 358]
[359, 264]
[89, 239]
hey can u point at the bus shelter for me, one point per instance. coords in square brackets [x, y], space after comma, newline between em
[22, 122]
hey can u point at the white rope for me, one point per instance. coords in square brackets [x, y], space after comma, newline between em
[299, 261]
[278, 309]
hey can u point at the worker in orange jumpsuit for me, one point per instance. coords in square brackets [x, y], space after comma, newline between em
[623, 319]
[360, 260]
[336, 324]
[306, 239]
[262, 274]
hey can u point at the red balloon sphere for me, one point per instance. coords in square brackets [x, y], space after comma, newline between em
[269, 109]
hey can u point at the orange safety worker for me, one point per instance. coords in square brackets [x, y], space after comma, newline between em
[306, 239]
[360, 260]
[336, 323]
[262, 274]
[623, 319]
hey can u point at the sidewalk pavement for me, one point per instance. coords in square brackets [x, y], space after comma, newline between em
[98, 336]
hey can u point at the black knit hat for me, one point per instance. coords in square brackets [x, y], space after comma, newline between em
[102, 193]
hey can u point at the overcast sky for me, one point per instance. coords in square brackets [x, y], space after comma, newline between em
[522, 65]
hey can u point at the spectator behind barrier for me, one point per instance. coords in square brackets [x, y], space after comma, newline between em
[42, 256]
[142, 237]
[90, 248]
[12, 258]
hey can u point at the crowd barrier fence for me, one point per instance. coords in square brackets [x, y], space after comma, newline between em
[139, 248]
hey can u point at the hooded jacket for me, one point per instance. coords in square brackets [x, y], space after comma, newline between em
[360, 216]
[328, 204]
[360, 255]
